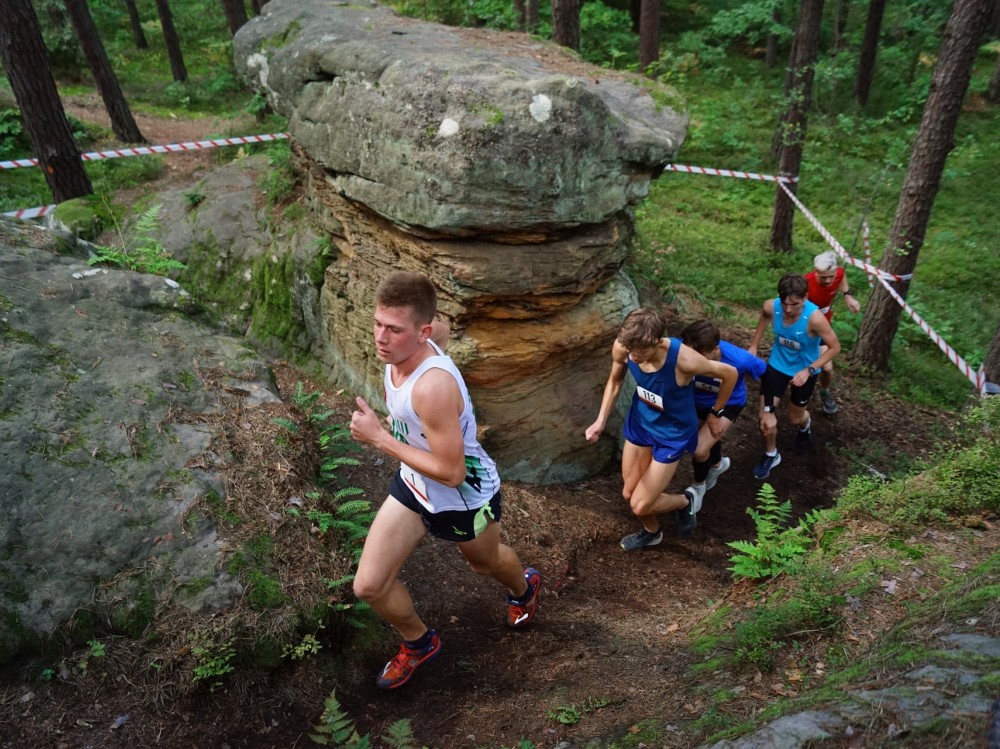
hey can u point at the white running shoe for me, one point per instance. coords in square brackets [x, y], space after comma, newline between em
[715, 471]
[695, 494]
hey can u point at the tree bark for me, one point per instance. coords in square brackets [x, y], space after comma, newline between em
[136, 24]
[521, 15]
[236, 14]
[649, 36]
[122, 122]
[566, 23]
[869, 51]
[993, 90]
[172, 41]
[25, 61]
[840, 12]
[991, 365]
[531, 16]
[790, 135]
[771, 53]
[934, 140]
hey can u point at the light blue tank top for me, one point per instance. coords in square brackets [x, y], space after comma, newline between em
[793, 348]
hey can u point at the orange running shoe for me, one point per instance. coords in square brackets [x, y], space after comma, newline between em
[400, 669]
[522, 611]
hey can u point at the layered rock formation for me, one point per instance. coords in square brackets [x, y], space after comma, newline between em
[502, 167]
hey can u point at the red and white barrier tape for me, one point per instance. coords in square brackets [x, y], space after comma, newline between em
[685, 169]
[147, 150]
[977, 378]
[838, 248]
[866, 242]
[32, 212]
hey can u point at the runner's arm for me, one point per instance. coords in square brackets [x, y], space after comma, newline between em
[611, 390]
[818, 326]
[438, 402]
[766, 315]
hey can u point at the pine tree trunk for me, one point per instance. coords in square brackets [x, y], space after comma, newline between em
[566, 23]
[521, 15]
[135, 22]
[840, 12]
[869, 51]
[26, 63]
[649, 35]
[934, 140]
[531, 16]
[236, 14]
[791, 131]
[122, 122]
[172, 42]
[993, 90]
[771, 54]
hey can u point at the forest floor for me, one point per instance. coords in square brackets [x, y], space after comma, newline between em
[610, 645]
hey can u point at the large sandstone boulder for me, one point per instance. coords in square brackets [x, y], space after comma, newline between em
[501, 166]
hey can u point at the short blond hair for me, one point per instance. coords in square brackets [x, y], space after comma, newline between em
[825, 261]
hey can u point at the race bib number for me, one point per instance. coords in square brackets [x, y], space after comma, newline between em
[649, 397]
[789, 343]
[415, 482]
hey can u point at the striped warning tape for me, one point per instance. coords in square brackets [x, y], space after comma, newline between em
[118, 153]
[977, 378]
[32, 212]
[838, 248]
[687, 169]
[866, 242]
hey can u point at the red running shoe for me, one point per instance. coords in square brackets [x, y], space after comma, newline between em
[400, 669]
[523, 611]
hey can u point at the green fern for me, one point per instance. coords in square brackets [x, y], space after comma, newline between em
[336, 728]
[777, 546]
[146, 255]
[400, 736]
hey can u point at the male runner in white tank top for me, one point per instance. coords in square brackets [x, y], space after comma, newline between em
[446, 483]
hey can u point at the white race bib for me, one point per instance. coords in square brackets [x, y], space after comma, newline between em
[650, 397]
[415, 482]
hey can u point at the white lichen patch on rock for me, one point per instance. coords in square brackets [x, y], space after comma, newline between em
[540, 107]
[448, 128]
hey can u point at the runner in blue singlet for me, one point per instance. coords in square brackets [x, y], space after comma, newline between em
[661, 425]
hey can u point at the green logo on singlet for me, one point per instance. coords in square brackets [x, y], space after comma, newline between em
[400, 429]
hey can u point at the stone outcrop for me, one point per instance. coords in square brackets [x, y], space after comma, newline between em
[501, 166]
[100, 472]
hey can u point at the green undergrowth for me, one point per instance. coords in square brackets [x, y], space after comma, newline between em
[798, 627]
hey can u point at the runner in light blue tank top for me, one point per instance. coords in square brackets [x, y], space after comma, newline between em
[796, 359]
[794, 348]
